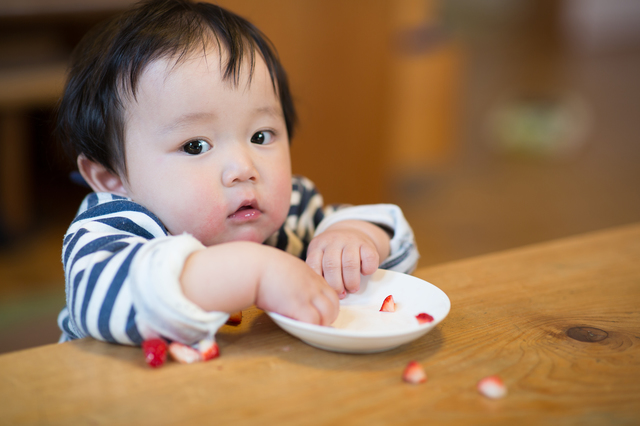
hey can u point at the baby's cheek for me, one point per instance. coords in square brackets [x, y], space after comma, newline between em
[282, 197]
[202, 220]
[208, 224]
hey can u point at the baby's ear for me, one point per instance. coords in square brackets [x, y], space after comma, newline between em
[99, 178]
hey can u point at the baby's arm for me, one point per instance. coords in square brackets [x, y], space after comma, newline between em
[123, 278]
[232, 276]
[345, 250]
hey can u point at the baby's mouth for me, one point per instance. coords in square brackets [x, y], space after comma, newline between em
[248, 210]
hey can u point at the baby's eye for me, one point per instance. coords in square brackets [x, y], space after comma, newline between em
[261, 138]
[196, 147]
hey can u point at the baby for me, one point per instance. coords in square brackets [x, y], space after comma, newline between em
[179, 116]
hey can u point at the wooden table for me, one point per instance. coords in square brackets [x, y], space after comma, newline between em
[559, 322]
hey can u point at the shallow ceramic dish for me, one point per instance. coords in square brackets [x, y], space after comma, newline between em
[362, 328]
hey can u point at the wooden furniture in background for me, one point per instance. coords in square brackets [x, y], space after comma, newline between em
[36, 37]
[22, 89]
[40, 8]
[422, 113]
[557, 321]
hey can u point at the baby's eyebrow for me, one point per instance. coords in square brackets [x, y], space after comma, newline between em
[270, 110]
[186, 119]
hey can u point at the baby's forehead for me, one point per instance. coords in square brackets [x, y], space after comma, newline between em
[196, 81]
[207, 60]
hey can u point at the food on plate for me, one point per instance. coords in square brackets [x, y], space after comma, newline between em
[388, 305]
[424, 318]
[414, 373]
[492, 387]
[155, 352]
[363, 326]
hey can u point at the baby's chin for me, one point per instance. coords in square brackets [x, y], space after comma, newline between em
[251, 237]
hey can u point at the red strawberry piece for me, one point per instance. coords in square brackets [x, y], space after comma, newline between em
[388, 305]
[155, 352]
[414, 373]
[183, 354]
[208, 349]
[492, 387]
[424, 318]
[235, 318]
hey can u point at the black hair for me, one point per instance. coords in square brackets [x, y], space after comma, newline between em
[107, 64]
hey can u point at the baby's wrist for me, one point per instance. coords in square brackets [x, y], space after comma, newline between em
[219, 278]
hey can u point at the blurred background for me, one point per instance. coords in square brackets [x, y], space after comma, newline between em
[492, 123]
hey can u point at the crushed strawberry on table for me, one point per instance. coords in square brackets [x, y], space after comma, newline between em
[235, 318]
[208, 349]
[155, 352]
[184, 354]
[156, 349]
[492, 387]
[414, 373]
[388, 305]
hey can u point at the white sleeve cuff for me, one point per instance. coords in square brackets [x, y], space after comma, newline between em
[161, 307]
[403, 256]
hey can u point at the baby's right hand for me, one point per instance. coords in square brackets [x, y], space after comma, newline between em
[291, 288]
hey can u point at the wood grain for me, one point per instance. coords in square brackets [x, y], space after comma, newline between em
[558, 322]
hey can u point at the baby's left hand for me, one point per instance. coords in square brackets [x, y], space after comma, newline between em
[346, 250]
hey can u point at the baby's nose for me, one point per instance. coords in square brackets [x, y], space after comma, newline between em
[239, 167]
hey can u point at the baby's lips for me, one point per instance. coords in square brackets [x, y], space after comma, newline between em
[251, 203]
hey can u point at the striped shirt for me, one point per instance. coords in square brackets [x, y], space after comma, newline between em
[122, 267]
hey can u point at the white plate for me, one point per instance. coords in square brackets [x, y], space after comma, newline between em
[362, 328]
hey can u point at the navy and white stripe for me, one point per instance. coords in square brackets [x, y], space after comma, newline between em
[107, 298]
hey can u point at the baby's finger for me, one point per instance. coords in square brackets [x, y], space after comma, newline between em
[328, 306]
[332, 268]
[370, 259]
[351, 268]
[309, 314]
[314, 260]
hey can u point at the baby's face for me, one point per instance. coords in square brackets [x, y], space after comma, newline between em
[207, 157]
